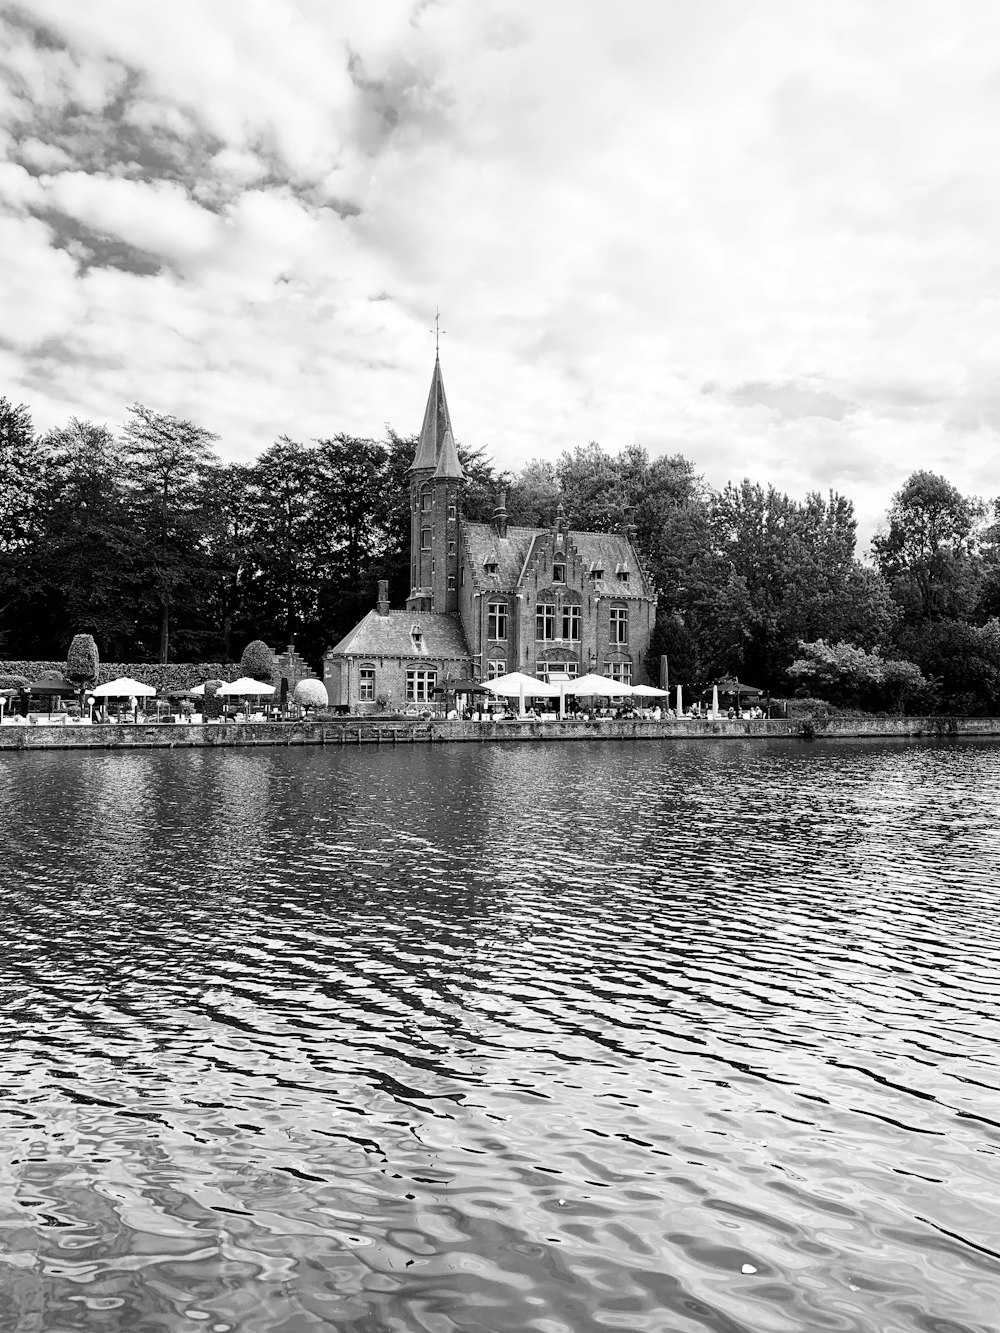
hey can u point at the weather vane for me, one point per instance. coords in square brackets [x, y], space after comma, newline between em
[437, 331]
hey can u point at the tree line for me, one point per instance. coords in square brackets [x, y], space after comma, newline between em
[146, 539]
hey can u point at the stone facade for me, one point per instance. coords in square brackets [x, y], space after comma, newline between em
[487, 598]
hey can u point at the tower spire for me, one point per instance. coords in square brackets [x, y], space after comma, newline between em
[436, 447]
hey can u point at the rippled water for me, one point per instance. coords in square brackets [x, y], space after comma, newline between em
[559, 1038]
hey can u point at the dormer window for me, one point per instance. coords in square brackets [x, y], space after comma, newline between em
[622, 572]
[490, 565]
[596, 571]
[417, 638]
[559, 573]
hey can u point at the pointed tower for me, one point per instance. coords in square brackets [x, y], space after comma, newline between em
[436, 478]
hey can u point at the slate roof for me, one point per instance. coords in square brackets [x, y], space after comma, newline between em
[390, 636]
[609, 551]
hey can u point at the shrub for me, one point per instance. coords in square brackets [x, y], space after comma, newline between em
[13, 682]
[311, 694]
[257, 661]
[83, 662]
[162, 676]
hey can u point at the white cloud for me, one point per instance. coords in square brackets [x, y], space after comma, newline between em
[155, 216]
[613, 205]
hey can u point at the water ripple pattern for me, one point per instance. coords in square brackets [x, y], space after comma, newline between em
[540, 1038]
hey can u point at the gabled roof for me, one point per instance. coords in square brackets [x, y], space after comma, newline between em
[602, 550]
[436, 430]
[392, 636]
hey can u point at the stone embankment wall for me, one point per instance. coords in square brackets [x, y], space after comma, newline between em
[375, 731]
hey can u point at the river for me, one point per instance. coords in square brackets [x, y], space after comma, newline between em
[557, 1038]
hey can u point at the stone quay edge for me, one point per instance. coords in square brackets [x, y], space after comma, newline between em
[384, 731]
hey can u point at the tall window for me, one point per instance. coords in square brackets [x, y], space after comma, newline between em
[545, 620]
[496, 667]
[571, 623]
[558, 573]
[366, 690]
[619, 624]
[420, 682]
[620, 671]
[451, 511]
[496, 621]
[425, 502]
[425, 539]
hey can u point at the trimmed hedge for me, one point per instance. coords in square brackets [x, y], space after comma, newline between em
[172, 676]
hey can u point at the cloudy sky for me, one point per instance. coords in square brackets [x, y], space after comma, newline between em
[763, 234]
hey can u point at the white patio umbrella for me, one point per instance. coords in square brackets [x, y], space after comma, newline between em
[591, 683]
[123, 688]
[246, 687]
[680, 702]
[517, 685]
[649, 692]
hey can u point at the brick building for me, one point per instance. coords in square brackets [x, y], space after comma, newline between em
[487, 598]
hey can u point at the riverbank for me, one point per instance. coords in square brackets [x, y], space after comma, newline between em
[376, 731]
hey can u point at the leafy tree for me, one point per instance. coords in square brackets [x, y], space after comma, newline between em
[21, 465]
[170, 456]
[83, 569]
[230, 509]
[929, 551]
[964, 658]
[846, 674]
[257, 661]
[532, 495]
[288, 545]
[791, 569]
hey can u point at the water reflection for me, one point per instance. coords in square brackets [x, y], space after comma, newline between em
[527, 1037]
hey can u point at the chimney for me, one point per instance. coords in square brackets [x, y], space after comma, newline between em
[383, 597]
[500, 515]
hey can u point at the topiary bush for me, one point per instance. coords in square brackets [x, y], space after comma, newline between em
[13, 682]
[257, 661]
[83, 661]
[311, 694]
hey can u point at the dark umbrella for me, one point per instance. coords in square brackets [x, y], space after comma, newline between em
[738, 687]
[58, 687]
[460, 687]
